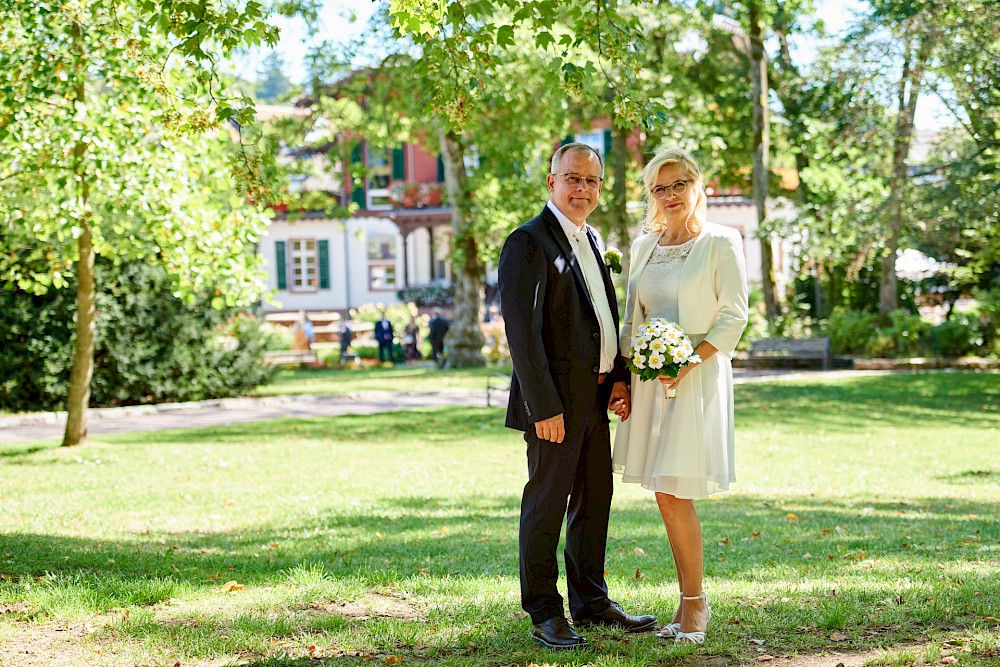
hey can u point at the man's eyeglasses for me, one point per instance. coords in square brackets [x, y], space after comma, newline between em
[574, 180]
[678, 188]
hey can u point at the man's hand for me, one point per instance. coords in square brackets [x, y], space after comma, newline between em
[552, 429]
[621, 400]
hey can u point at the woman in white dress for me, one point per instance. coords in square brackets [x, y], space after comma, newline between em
[691, 272]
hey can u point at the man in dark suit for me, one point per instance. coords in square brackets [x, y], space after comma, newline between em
[383, 336]
[561, 318]
[438, 328]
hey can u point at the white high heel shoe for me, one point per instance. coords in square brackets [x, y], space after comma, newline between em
[670, 630]
[694, 637]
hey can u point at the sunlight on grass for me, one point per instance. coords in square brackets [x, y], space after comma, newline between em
[864, 518]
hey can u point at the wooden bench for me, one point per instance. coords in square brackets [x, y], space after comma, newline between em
[767, 350]
[290, 357]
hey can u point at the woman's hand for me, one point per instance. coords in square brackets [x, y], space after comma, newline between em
[671, 383]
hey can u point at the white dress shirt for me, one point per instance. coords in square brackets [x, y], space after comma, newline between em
[587, 259]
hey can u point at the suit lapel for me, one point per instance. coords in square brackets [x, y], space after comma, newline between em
[609, 288]
[557, 233]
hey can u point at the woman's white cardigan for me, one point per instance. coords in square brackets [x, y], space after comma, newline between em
[713, 288]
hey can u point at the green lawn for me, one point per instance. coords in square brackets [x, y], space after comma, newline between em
[865, 518]
[424, 377]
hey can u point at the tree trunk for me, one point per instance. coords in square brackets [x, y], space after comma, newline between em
[621, 233]
[78, 398]
[83, 355]
[761, 148]
[908, 90]
[464, 341]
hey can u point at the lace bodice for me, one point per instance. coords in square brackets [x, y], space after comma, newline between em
[660, 281]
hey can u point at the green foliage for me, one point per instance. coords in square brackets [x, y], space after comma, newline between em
[428, 296]
[906, 336]
[956, 337]
[151, 347]
[850, 331]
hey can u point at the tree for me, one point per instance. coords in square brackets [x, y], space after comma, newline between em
[465, 55]
[274, 83]
[105, 124]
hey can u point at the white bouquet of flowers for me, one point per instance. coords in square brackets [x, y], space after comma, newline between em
[660, 347]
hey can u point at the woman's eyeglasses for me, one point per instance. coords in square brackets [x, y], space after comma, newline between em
[678, 188]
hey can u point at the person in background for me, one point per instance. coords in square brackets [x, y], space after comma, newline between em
[383, 336]
[411, 341]
[438, 328]
[346, 336]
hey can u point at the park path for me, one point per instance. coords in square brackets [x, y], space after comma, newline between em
[220, 412]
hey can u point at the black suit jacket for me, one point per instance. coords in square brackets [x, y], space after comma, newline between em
[552, 328]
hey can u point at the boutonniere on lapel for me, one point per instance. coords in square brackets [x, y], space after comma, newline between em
[613, 258]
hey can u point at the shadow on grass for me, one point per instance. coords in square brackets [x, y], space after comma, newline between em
[465, 550]
[397, 539]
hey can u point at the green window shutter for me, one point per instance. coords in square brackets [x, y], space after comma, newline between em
[324, 264]
[440, 170]
[398, 168]
[279, 264]
[357, 191]
[607, 144]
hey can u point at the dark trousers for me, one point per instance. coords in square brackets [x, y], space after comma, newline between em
[568, 479]
[384, 350]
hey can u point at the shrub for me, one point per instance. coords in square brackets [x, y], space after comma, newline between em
[907, 336]
[850, 331]
[954, 338]
[428, 296]
[149, 345]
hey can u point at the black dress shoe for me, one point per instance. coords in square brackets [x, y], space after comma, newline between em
[614, 616]
[555, 633]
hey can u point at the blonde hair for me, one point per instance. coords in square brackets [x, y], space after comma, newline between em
[655, 221]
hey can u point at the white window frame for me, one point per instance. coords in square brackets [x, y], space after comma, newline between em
[300, 256]
[387, 265]
[377, 199]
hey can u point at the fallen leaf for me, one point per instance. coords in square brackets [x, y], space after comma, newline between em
[392, 660]
[177, 664]
[758, 642]
[754, 533]
[949, 660]
[232, 586]
[638, 574]
[792, 517]
[838, 637]
[423, 570]
[174, 568]
[638, 552]
[725, 541]
[315, 652]
[765, 658]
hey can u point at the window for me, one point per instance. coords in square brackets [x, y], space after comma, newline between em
[594, 139]
[381, 261]
[381, 277]
[304, 261]
[379, 164]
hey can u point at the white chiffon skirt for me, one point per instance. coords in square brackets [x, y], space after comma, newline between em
[681, 446]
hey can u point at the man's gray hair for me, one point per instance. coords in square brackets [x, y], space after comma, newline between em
[573, 146]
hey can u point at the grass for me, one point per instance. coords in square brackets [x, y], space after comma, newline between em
[865, 520]
[425, 377]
